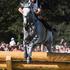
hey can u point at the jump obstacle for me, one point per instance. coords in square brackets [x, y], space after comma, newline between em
[11, 60]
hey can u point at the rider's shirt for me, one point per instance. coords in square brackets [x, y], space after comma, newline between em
[35, 5]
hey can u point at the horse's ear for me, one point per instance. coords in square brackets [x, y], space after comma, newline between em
[20, 10]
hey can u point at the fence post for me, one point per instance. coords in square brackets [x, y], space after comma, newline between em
[9, 62]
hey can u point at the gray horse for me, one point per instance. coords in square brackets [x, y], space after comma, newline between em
[32, 34]
[33, 37]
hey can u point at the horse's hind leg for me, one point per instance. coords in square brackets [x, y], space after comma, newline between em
[48, 45]
[49, 40]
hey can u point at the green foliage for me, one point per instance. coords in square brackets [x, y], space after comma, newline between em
[10, 19]
[58, 15]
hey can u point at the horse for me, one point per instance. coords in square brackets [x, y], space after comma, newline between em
[31, 37]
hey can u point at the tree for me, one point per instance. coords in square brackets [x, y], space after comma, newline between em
[58, 15]
[10, 19]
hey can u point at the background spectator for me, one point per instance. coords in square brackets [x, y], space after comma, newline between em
[12, 42]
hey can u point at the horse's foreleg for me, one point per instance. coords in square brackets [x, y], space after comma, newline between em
[25, 20]
[30, 48]
[25, 35]
[29, 52]
[25, 52]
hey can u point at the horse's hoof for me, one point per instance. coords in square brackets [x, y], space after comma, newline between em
[28, 60]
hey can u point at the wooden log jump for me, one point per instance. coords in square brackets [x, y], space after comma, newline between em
[9, 62]
[53, 57]
[40, 60]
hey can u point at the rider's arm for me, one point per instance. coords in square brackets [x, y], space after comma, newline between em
[38, 10]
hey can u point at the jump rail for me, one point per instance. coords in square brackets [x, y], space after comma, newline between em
[40, 60]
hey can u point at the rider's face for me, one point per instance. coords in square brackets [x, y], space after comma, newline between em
[33, 1]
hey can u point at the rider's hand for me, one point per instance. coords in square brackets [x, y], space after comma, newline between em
[38, 11]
